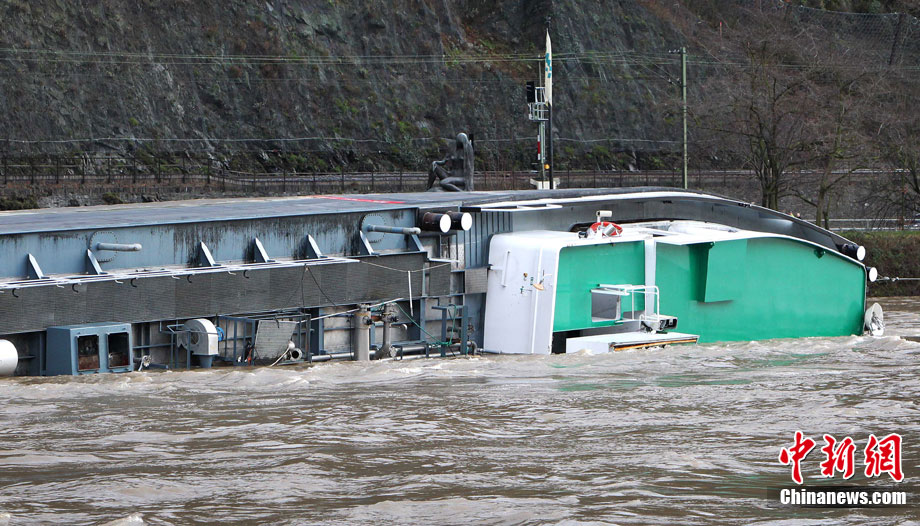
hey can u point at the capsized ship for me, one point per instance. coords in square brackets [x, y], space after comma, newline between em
[241, 282]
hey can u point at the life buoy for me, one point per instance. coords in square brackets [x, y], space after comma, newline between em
[605, 225]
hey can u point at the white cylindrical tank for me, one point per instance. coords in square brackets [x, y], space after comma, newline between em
[9, 358]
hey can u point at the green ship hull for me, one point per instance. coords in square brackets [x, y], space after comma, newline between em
[748, 289]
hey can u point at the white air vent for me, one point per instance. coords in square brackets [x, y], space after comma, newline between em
[200, 337]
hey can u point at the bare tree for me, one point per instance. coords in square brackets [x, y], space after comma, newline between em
[836, 123]
[758, 111]
[898, 142]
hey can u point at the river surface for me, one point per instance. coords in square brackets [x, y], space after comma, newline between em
[684, 435]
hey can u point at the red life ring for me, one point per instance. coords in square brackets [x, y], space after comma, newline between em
[603, 225]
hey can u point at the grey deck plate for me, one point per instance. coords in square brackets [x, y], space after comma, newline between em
[203, 210]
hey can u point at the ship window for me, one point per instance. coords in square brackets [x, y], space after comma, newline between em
[88, 352]
[119, 351]
[605, 305]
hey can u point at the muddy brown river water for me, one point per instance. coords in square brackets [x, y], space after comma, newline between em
[683, 435]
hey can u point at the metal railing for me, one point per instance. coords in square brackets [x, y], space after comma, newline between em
[875, 224]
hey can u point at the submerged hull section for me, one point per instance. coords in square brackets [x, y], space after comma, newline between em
[316, 278]
[720, 283]
[761, 288]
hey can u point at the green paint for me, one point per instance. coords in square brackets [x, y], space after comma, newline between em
[777, 288]
[580, 387]
[582, 268]
[751, 289]
[722, 281]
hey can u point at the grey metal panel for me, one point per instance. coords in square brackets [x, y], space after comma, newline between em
[439, 279]
[272, 337]
[284, 289]
[193, 296]
[102, 298]
[475, 280]
[157, 296]
[332, 284]
[376, 279]
[387, 278]
[253, 289]
[476, 240]
[222, 210]
[32, 307]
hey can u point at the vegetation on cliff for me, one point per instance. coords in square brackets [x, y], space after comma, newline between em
[778, 88]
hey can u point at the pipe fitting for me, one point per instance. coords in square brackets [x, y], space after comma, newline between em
[436, 222]
[119, 247]
[460, 220]
[406, 231]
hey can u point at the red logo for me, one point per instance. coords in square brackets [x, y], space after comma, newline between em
[884, 456]
[796, 454]
[881, 456]
[839, 459]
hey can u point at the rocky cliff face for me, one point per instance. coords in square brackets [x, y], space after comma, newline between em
[327, 83]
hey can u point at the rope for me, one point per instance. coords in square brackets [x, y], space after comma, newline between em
[285, 353]
[404, 270]
[886, 278]
[408, 277]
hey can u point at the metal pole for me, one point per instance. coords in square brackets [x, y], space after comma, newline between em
[362, 336]
[683, 88]
[542, 157]
[549, 144]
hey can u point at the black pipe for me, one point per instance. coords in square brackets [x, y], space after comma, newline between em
[435, 222]
[857, 252]
[460, 220]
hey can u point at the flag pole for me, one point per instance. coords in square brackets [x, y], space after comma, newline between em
[548, 83]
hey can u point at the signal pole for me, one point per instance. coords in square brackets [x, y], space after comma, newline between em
[683, 97]
[548, 92]
[549, 146]
[540, 109]
[683, 89]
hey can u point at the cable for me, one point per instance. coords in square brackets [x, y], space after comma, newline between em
[410, 270]
[306, 139]
[317, 286]
[285, 353]
[412, 319]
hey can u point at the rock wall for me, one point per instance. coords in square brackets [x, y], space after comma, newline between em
[334, 82]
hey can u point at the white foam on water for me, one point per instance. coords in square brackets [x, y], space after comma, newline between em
[491, 510]
[135, 519]
[36, 458]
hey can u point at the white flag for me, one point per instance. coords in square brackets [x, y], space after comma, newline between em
[548, 71]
